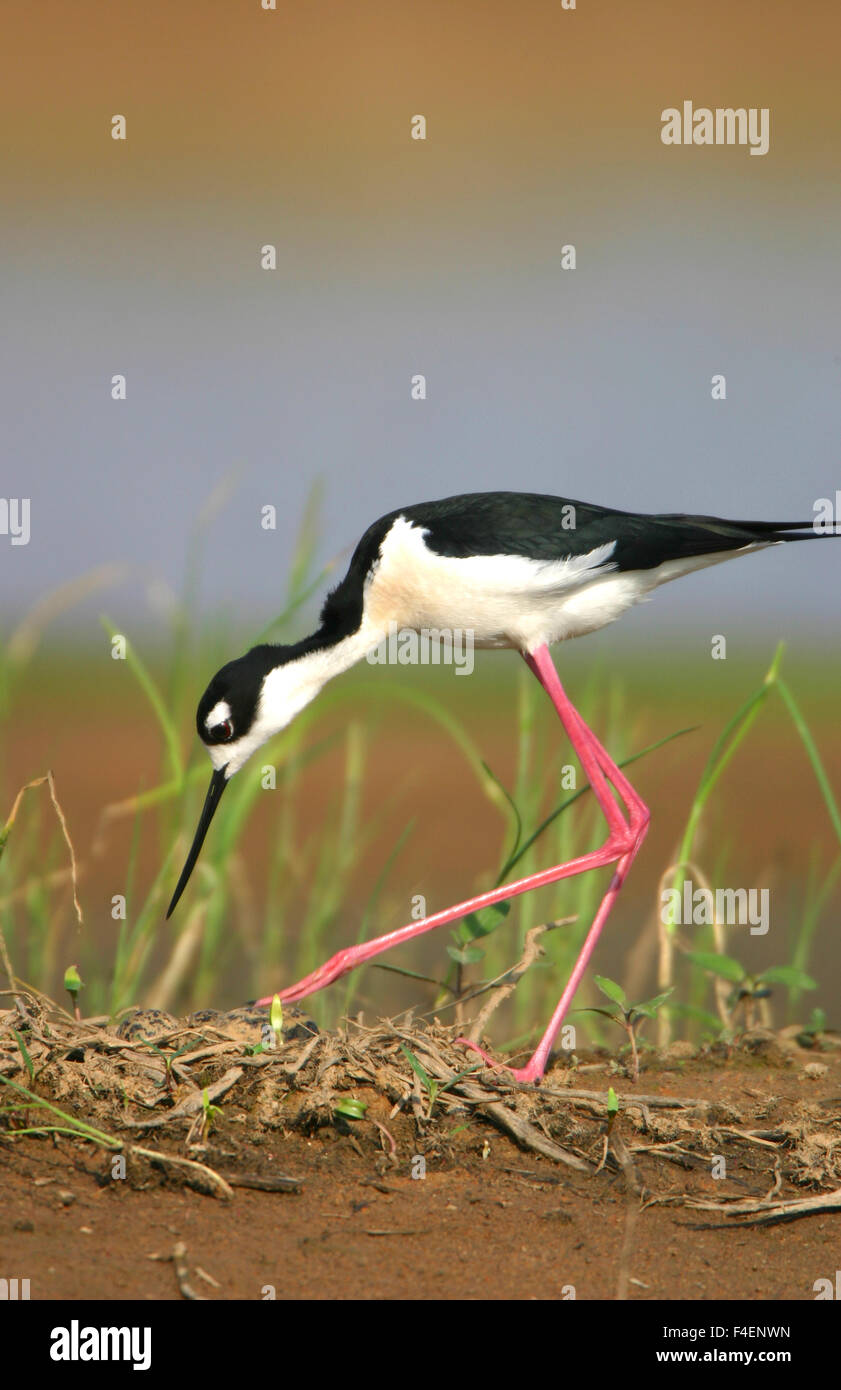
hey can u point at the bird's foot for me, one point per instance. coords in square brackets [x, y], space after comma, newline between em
[532, 1071]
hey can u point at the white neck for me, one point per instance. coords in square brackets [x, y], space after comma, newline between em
[289, 688]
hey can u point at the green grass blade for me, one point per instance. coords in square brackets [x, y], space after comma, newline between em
[416, 1067]
[814, 756]
[76, 1126]
[150, 690]
[24, 1054]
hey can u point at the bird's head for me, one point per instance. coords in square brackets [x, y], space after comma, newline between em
[247, 702]
[230, 720]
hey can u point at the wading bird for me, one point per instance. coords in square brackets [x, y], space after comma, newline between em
[517, 570]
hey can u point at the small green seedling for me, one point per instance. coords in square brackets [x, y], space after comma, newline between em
[276, 1021]
[612, 1108]
[433, 1088]
[428, 1082]
[168, 1058]
[629, 1017]
[73, 983]
[210, 1113]
[350, 1108]
[747, 988]
[271, 1032]
[470, 929]
[24, 1052]
[811, 1035]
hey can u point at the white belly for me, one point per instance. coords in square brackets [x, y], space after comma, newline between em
[508, 600]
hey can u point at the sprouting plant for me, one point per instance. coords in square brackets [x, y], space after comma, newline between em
[276, 1021]
[612, 1108]
[73, 983]
[350, 1108]
[168, 1058]
[428, 1082]
[433, 1087]
[469, 930]
[271, 1032]
[210, 1113]
[24, 1052]
[629, 1017]
[748, 988]
[811, 1034]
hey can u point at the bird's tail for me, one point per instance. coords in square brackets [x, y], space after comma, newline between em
[770, 531]
[790, 530]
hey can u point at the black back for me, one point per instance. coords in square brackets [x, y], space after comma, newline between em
[537, 526]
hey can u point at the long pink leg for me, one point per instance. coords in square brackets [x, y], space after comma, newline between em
[638, 813]
[620, 848]
[540, 662]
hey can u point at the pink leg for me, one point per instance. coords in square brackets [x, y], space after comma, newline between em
[544, 670]
[540, 662]
[620, 848]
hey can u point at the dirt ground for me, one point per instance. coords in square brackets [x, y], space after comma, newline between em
[486, 1190]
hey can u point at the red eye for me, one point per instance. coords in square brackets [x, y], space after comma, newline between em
[220, 733]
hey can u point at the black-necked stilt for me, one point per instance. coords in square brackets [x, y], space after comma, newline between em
[518, 570]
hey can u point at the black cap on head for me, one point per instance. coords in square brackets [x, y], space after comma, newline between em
[238, 687]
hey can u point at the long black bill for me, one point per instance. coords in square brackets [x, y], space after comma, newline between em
[218, 783]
